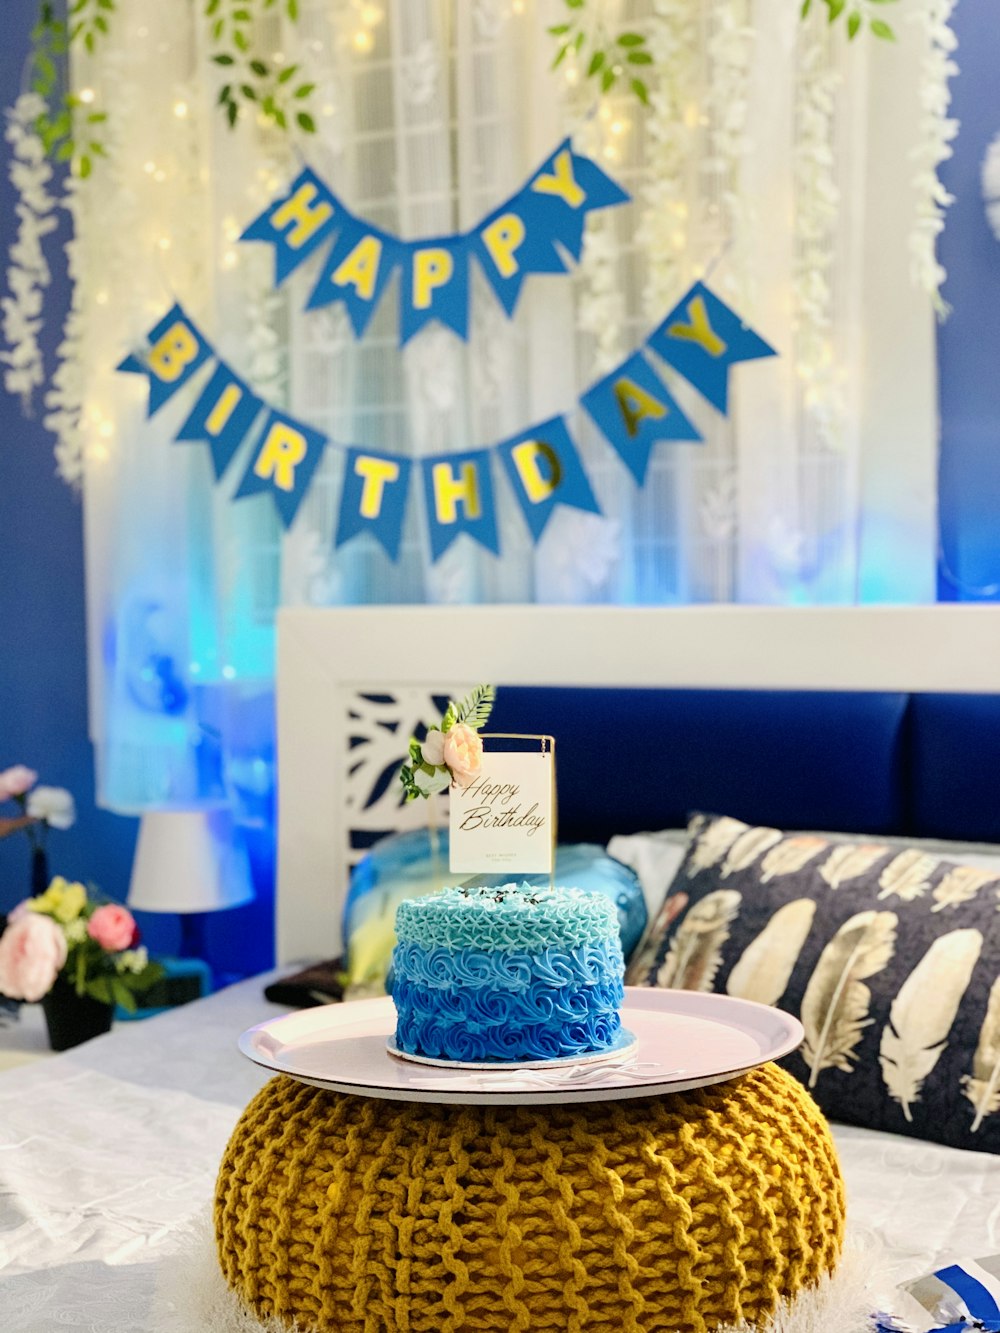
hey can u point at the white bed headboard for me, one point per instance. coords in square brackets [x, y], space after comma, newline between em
[331, 662]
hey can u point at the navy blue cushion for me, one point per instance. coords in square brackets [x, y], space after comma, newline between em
[954, 763]
[632, 759]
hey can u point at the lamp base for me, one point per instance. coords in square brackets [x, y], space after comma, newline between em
[193, 944]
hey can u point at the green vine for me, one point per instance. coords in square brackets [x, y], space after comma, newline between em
[68, 127]
[855, 12]
[606, 59]
[266, 88]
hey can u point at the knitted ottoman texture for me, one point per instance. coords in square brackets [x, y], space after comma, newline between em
[658, 1215]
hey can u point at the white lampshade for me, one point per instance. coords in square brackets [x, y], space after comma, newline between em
[189, 861]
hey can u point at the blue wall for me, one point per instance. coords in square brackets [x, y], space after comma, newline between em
[969, 340]
[43, 683]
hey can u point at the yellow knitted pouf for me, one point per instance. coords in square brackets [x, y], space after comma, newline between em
[661, 1215]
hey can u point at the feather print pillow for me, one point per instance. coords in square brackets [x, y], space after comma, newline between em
[889, 956]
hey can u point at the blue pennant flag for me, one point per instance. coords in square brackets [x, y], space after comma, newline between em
[297, 223]
[284, 459]
[701, 338]
[633, 408]
[458, 490]
[374, 498]
[545, 470]
[435, 285]
[356, 271]
[222, 416]
[176, 350]
[510, 244]
[564, 189]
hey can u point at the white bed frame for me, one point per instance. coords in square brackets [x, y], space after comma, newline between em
[330, 659]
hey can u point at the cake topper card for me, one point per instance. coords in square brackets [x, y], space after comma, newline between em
[502, 802]
[502, 818]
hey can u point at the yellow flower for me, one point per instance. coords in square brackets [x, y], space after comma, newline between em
[61, 899]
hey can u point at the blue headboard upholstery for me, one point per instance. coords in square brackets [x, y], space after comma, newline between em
[866, 762]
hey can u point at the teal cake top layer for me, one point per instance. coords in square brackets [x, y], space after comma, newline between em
[513, 916]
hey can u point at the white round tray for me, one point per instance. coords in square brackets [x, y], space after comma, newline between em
[683, 1040]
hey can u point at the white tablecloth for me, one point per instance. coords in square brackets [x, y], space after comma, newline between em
[108, 1154]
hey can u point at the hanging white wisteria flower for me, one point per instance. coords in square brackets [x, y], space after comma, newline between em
[937, 130]
[991, 185]
[28, 272]
[817, 207]
[665, 232]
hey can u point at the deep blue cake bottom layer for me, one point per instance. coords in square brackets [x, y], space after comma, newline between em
[490, 1024]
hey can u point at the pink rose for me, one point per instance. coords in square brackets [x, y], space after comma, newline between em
[16, 781]
[463, 753]
[20, 910]
[113, 927]
[32, 950]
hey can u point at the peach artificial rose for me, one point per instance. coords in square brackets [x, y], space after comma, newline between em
[112, 926]
[32, 951]
[463, 753]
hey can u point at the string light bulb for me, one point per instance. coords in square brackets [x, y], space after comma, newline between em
[363, 41]
[86, 95]
[371, 15]
[180, 110]
[149, 167]
[164, 242]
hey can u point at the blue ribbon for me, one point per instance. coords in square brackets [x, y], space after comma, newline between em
[701, 338]
[222, 417]
[373, 498]
[458, 491]
[297, 223]
[633, 409]
[544, 469]
[176, 350]
[285, 457]
[356, 271]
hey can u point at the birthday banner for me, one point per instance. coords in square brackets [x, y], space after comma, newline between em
[701, 338]
[538, 230]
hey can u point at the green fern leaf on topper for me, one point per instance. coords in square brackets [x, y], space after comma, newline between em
[475, 708]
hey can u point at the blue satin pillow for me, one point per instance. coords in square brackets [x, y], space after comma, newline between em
[407, 865]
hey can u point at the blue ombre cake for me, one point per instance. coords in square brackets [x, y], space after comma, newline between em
[509, 973]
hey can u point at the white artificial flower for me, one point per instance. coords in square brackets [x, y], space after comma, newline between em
[75, 931]
[432, 747]
[432, 783]
[54, 805]
[133, 960]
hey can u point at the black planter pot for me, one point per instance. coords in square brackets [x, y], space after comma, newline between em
[73, 1018]
[39, 872]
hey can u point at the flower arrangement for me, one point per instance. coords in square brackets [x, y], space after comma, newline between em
[93, 943]
[451, 754]
[42, 808]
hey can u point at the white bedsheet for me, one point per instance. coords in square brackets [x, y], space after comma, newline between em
[109, 1152]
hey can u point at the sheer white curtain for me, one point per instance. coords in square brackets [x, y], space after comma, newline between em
[775, 158]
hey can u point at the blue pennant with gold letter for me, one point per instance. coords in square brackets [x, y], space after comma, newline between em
[176, 350]
[297, 223]
[222, 416]
[284, 459]
[356, 271]
[373, 498]
[545, 470]
[458, 491]
[633, 408]
[701, 338]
